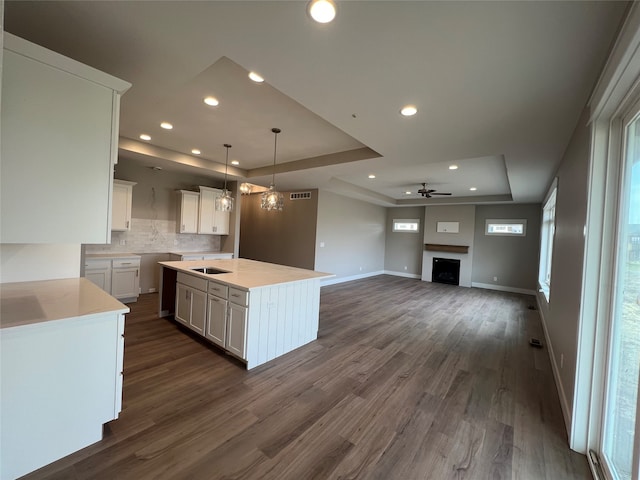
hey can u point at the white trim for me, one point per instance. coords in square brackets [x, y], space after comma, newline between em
[502, 288]
[335, 280]
[564, 403]
[402, 274]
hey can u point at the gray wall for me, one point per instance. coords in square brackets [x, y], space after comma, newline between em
[403, 250]
[353, 233]
[287, 237]
[561, 315]
[513, 260]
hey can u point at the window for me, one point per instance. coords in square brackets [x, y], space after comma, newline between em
[546, 242]
[406, 225]
[506, 227]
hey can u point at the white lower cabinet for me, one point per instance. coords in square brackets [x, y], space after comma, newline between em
[237, 330]
[117, 275]
[191, 302]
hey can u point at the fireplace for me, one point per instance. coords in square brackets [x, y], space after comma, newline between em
[446, 270]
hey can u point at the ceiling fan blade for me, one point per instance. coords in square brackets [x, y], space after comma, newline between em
[436, 193]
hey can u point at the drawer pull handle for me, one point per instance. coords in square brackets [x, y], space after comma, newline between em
[235, 295]
[126, 263]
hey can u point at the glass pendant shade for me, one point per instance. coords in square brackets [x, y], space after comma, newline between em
[224, 203]
[272, 199]
[245, 188]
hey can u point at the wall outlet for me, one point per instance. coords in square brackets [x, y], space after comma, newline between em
[123, 241]
[175, 242]
[405, 267]
[495, 279]
[321, 244]
[360, 268]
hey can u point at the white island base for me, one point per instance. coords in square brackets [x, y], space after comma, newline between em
[256, 312]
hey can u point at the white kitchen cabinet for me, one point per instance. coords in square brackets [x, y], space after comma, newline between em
[125, 278]
[61, 371]
[116, 274]
[121, 206]
[210, 220]
[188, 211]
[60, 138]
[99, 272]
[237, 330]
[191, 302]
[217, 320]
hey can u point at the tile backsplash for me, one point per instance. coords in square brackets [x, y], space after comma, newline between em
[151, 236]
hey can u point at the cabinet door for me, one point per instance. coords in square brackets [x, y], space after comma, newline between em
[217, 320]
[207, 211]
[236, 330]
[121, 206]
[63, 153]
[124, 282]
[101, 278]
[220, 221]
[198, 311]
[183, 303]
[188, 212]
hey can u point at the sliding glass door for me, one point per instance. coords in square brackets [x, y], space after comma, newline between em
[620, 438]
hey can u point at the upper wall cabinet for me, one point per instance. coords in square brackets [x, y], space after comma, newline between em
[188, 211]
[210, 220]
[121, 206]
[60, 140]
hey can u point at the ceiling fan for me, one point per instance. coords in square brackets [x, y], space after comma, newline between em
[428, 192]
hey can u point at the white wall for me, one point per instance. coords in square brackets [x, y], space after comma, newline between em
[465, 215]
[353, 235]
[22, 263]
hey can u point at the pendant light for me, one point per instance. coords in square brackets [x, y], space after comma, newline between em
[272, 199]
[245, 188]
[224, 203]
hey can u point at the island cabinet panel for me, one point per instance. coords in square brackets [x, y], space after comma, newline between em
[281, 318]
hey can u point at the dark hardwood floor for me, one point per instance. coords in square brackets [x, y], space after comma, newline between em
[407, 380]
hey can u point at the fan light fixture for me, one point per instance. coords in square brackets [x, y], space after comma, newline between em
[272, 199]
[245, 188]
[224, 203]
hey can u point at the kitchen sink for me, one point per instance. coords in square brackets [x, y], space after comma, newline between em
[209, 270]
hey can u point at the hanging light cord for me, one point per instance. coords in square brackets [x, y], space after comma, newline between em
[226, 164]
[275, 148]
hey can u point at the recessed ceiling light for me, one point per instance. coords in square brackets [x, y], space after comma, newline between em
[256, 77]
[195, 151]
[473, 189]
[235, 162]
[322, 11]
[408, 193]
[166, 125]
[146, 137]
[372, 176]
[211, 101]
[409, 110]
[453, 167]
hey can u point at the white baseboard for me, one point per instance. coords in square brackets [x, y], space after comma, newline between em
[564, 404]
[335, 280]
[502, 288]
[402, 274]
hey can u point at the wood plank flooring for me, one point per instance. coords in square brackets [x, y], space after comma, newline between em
[407, 380]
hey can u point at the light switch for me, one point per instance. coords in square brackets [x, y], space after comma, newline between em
[321, 244]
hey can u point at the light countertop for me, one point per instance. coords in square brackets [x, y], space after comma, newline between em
[111, 255]
[25, 303]
[247, 274]
[200, 253]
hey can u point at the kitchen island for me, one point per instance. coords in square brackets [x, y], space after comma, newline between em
[61, 354]
[255, 311]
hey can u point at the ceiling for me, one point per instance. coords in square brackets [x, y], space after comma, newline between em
[499, 88]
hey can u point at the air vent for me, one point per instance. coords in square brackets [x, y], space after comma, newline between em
[300, 196]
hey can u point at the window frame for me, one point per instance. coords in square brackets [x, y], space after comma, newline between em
[406, 221]
[505, 221]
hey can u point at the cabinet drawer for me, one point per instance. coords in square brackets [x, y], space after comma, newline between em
[97, 264]
[218, 289]
[240, 297]
[126, 263]
[192, 281]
